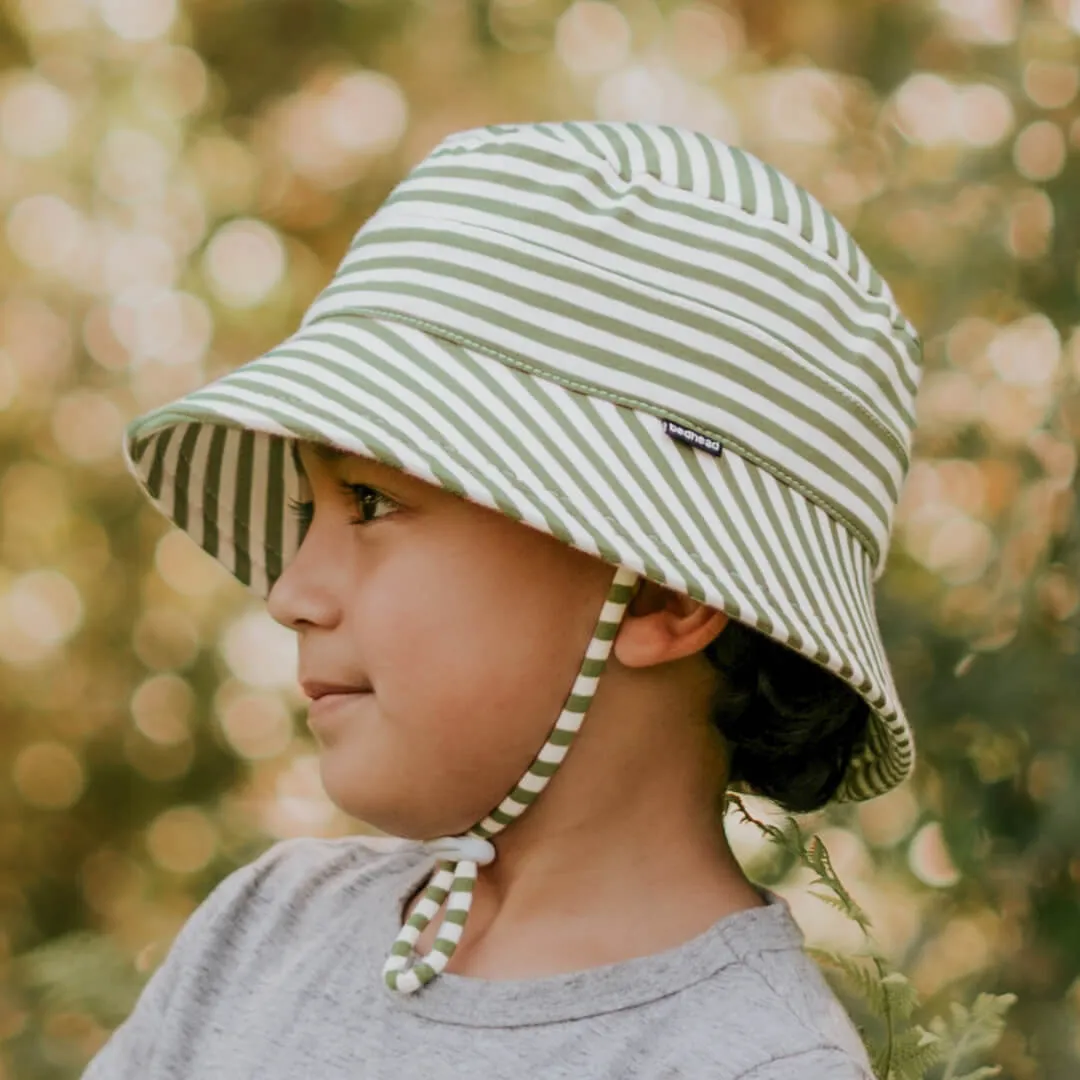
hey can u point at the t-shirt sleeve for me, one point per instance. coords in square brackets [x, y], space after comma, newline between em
[821, 1064]
[129, 1053]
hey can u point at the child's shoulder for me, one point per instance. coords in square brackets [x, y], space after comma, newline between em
[303, 874]
[308, 861]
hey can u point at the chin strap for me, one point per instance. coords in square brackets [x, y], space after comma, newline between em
[460, 857]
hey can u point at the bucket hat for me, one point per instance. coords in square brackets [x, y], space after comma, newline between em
[643, 341]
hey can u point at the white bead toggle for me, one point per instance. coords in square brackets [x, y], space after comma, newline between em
[462, 848]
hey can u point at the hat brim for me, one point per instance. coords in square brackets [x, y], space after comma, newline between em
[594, 473]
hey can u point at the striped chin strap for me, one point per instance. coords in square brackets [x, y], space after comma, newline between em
[460, 857]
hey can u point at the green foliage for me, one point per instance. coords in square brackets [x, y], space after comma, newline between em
[903, 1049]
[80, 971]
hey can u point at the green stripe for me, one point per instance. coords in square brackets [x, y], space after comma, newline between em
[182, 480]
[746, 180]
[157, 467]
[781, 207]
[212, 490]
[684, 169]
[245, 462]
[275, 508]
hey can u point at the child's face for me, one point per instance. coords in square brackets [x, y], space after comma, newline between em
[468, 626]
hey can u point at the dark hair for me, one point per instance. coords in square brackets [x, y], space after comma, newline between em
[792, 724]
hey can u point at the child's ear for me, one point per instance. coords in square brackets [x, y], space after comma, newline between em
[661, 626]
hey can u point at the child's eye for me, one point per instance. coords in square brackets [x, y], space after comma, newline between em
[367, 501]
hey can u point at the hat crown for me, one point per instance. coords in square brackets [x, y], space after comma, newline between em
[669, 272]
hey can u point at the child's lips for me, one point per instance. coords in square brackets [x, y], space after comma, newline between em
[326, 705]
[317, 690]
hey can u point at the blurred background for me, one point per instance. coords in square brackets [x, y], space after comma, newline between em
[178, 178]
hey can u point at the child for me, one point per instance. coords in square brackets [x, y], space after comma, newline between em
[681, 373]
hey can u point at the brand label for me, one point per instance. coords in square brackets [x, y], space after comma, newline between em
[692, 438]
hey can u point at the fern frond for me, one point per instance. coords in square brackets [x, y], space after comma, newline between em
[855, 977]
[905, 1051]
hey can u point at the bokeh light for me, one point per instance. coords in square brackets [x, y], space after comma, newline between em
[54, 16]
[592, 37]
[163, 706]
[48, 776]
[926, 109]
[182, 840]
[261, 651]
[187, 568]
[44, 231]
[982, 22]
[39, 611]
[133, 165]
[138, 20]
[35, 117]
[985, 114]
[1039, 151]
[87, 426]
[1051, 84]
[244, 262]
[257, 724]
[705, 39]
[929, 858]
[165, 638]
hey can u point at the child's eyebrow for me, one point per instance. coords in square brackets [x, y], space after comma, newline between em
[329, 453]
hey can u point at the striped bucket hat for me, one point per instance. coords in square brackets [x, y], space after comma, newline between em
[636, 338]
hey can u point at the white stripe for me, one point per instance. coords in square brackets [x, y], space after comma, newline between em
[585, 684]
[450, 933]
[167, 498]
[259, 475]
[533, 782]
[457, 900]
[700, 169]
[409, 934]
[196, 527]
[732, 186]
[552, 754]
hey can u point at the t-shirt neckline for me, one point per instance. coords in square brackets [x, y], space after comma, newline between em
[476, 1002]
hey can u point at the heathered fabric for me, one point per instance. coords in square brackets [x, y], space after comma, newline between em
[277, 975]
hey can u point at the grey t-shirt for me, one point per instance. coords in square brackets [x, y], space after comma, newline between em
[278, 975]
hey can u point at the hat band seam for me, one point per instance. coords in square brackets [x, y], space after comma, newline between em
[854, 328]
[735, 445]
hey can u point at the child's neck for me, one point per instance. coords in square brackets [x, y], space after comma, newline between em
[559, 919]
